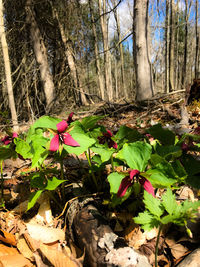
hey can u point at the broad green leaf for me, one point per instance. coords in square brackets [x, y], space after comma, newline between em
[191, 165]
[130, 135]
[169, 201]
[179, 169]
[33, 198]
[165, 136]
[162, 175]
[114, 180]
[6, 153]
[171, 150]
[39, 150]
[153, 204]
[53, 183]
[104, 152]
[156, 159]
[46, 122]
[90, 122]
[23, 148]
[159, 180]
[169, 219]
[37, 180]
[84, 141]
[193, 180]
[136, 155]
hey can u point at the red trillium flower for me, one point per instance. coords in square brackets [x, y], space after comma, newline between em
[128, 181]
[7, 139]
[106, 138]
[62, 137]
[69, 119]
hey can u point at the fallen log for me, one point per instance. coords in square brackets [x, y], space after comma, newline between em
[101, 245]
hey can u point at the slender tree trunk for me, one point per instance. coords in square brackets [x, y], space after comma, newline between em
[120, 51]
[7, 70]
[41, 55]
[197, 42]
[107, 56]
[167, 47]
[71, 62]
[177, 46]
[96, 51]
[171, 47]
[184, 72]
[141, 58]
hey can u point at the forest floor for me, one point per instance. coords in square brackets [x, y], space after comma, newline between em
[69, 232]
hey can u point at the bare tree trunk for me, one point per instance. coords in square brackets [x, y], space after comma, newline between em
[171, 48]
[107, 56]
[141, 58]
[8, 70]
[120, 51]
[40, 54]
[185, 46]
[167, 47]
[71, 63]
[197, 42]
[96, 51]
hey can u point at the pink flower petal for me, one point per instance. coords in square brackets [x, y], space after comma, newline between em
[134, 173]
[6, 140]
[125, 184]
[147, 185]
[68, 140]
[15, 135]
[115, 146]
[54, 145]
[69, 120]
[62, 126]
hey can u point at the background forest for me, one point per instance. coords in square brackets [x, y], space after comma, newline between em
[59, 53]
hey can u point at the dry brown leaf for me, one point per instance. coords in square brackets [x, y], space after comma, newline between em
[17, 260]
[23, 247]
[7, 238]
[4, 250]
[44, 213]
[57, 258]
[45, 234]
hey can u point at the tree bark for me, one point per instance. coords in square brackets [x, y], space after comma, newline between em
[197, 42]
[120, 51]
[171, 47]
[71, 62]
[107, 56]
[167, 47]
[96, 51]
[144, 89]
[185, 45]
[7, 70]
[41, 55]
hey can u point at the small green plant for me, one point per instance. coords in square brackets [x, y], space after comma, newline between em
[161, 212]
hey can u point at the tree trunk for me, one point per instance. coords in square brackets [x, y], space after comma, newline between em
[41, 55]
[120, 51]
[167, 47]
[7, 70]
[171, 48]
[144, 88]
[107, 56]
[71, 62]
[184, 72]
[96, 51]
[197, 43]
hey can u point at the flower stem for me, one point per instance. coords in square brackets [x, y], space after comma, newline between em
[112, 163]
[157, 242]
[90, 164]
